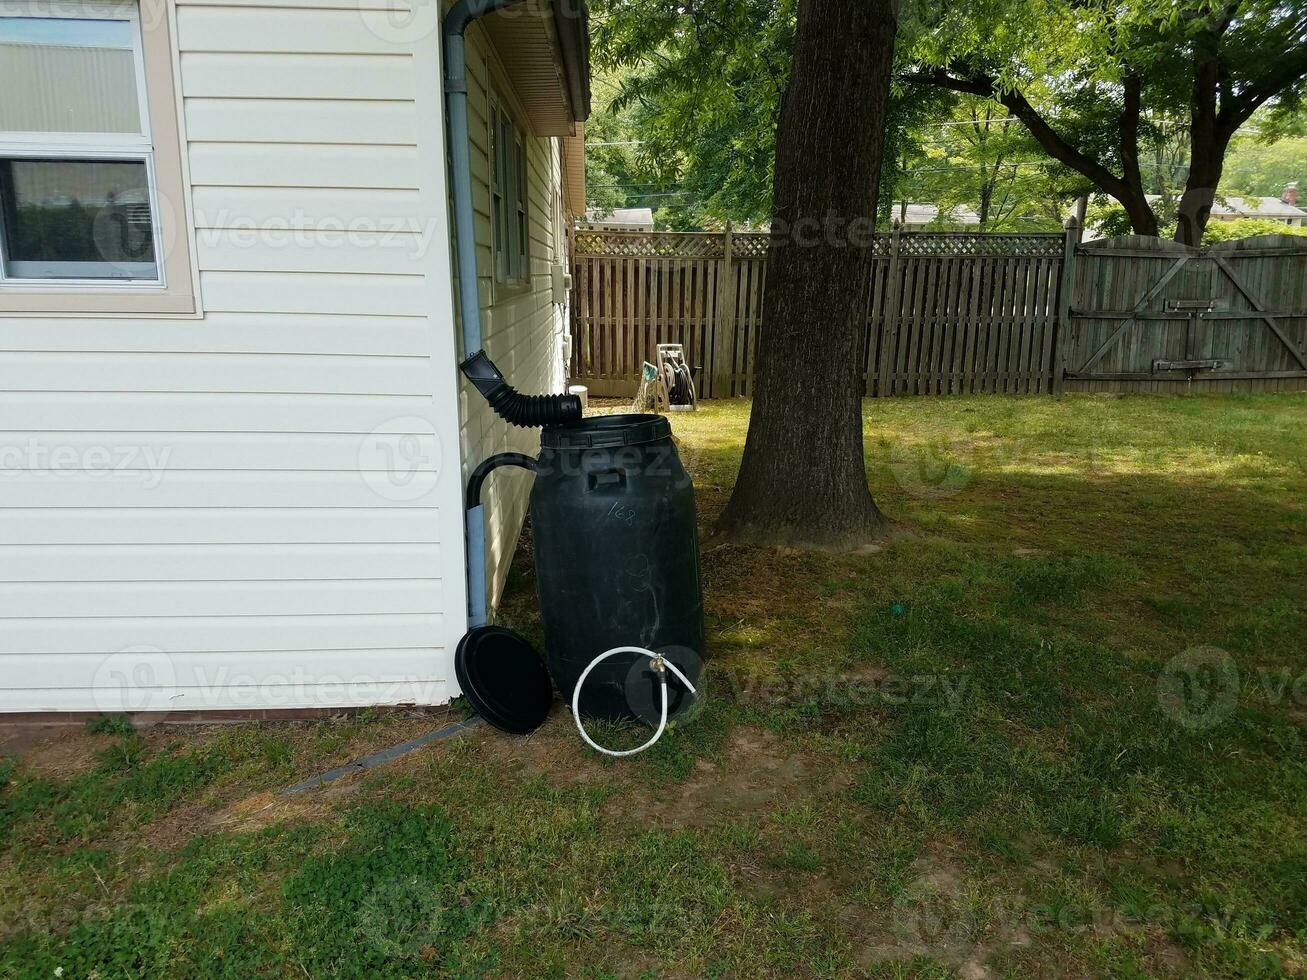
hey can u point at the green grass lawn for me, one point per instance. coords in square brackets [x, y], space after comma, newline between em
[1054, 727]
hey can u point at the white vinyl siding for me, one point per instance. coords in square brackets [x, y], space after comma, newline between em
[259, 559]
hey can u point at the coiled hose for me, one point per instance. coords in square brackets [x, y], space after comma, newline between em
[515, 408]
[660, 665]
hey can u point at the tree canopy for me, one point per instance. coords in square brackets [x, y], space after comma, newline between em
[1093, 82]
[699, 87]
[1124, 100]
[696, 88]
[979, 157]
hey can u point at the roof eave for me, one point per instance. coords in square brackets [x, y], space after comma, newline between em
[572, 23]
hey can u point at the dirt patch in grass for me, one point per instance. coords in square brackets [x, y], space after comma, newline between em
[65, 753]
[755, 771]
[270, 808]
[554, 750]
[750, 583]
[933, 915]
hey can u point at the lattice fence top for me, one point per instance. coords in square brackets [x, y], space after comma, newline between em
[658, 244]
[750, 246]
[966, 243]
[754, 245]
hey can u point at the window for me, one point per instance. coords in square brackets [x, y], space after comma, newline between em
[508, 195]
[89, 156]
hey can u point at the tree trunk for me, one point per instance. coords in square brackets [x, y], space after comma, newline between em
[1143, 219]
[1195, 207]
[803, 480]
[1207, 143]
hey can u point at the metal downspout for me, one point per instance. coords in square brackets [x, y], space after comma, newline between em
[456, 22]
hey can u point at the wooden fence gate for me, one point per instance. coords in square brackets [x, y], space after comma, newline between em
[1153, 315]
[960, 313]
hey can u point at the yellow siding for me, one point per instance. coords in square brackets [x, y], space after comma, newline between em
[523, 328]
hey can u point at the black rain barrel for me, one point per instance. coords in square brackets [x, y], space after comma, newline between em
[617, 561]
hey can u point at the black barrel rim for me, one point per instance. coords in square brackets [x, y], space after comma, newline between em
[504, 678]
[606, 432]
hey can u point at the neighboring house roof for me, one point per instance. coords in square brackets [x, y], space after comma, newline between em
[1249, 207]
[924, 214]
[637, 219]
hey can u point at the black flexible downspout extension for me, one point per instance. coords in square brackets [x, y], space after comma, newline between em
[490, 463]
[515, 408]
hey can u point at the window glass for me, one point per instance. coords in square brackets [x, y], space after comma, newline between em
[498, 126]
[75, 76]
[508, 197]
[520, 161]
[76, 219]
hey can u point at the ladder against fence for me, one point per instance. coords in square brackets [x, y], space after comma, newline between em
[947, 313]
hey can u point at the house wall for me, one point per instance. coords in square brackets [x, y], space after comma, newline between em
[286, 526]
[522, 328]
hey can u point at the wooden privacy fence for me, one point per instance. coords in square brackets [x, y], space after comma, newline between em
[959, 313]
[632, 291]
[946, 313]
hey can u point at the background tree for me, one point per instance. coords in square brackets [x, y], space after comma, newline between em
[1264, 156]
[699, 86]
[1086, 77]
[981, 157]
[1224, 231]
[618, 169]
[1268, 154]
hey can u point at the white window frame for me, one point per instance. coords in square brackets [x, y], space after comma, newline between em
[127, 147]
[175, 294]
[509, 220]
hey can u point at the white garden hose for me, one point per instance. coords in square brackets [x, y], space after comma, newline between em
[660, 665]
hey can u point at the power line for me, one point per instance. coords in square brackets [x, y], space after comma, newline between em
[670, 194]
[978, 166]
[972, 122]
